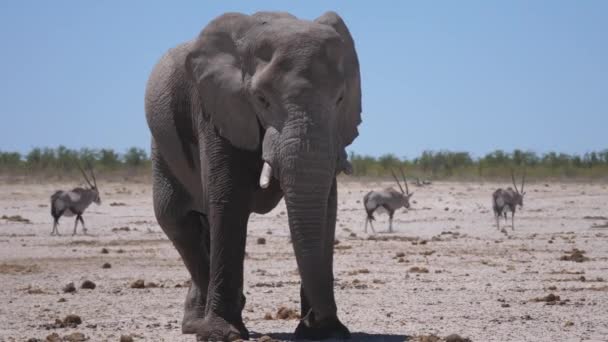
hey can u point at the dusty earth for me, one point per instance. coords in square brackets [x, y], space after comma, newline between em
[446, 269]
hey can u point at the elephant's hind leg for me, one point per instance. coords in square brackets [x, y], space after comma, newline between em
[189, 232]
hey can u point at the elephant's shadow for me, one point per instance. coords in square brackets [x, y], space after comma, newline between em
[358, 336]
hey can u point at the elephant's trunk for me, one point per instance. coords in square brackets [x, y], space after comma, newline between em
[307, 163]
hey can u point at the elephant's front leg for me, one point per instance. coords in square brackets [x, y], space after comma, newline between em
[229, 193]
[311, 327]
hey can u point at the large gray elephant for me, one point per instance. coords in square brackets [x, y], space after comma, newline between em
[257, 107]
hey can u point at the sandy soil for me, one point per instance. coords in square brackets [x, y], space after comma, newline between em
[445, 270]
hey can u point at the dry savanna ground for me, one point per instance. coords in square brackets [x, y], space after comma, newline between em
[445, 270]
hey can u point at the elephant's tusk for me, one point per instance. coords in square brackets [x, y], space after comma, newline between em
[265, 175]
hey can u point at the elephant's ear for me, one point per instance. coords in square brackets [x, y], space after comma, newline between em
[350, 113]
[215, 66]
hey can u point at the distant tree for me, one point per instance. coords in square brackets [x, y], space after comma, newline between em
[88, 156]
[108, 158]
[10, 159]
[135, 157]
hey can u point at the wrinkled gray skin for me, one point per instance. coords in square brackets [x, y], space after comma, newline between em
[253, 89]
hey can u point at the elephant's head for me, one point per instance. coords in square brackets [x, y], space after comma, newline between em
[292, 88]
[290, 85]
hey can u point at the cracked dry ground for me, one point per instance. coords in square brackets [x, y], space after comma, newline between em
[445, 270]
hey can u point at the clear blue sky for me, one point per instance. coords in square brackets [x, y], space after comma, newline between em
[457, 75]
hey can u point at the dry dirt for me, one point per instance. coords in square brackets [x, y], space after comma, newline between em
[446, 269]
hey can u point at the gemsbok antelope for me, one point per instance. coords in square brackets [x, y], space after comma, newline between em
[507, 200]
[389, 199]
[74, 202]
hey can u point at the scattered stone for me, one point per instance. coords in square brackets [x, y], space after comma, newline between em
[261, 241]
[89, 285]
[568, 324]
[268, 316]
[138, 284]
[575, 255]
[286, 313]
[121, 229]
[120, 251]
[456, 338]
[16, 218]
[126, 338]
[62, 300]
[151, 285]
[361, 271]
[75, 337]
[416, 269]
[69, 288]
[35, 290]
[399, 255]
[595, 217]
[550, 298]
[106, 265]
[72, 320]
[117, 204]
[54, 337]
[104, 251]
[342, 247]
[427, 338]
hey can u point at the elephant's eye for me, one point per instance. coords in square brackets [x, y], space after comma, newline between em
[262, 100]
[339, 100]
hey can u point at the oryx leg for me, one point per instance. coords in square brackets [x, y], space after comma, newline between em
[84, 229]
[513, 220]
[76, 223]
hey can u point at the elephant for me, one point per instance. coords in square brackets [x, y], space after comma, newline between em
[255, 109]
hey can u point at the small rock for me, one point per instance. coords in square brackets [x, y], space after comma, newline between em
[286, 313]
[89, 285]
[428, 338]
[261, 241]
[126, 338]
[72, 320]
[456, 338]
[575, 255]
[69, 288]
[268, 316]
[62, 300]
[104, 251]
[54, 337]
[550, 298]
[75, 337]
[399, 255]
[151, 285]
[106, 265]
[416, 269]
[569, 323]
[138, 284]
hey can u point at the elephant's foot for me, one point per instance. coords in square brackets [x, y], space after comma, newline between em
[328, 329]
[194, 309]
[214, 328]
